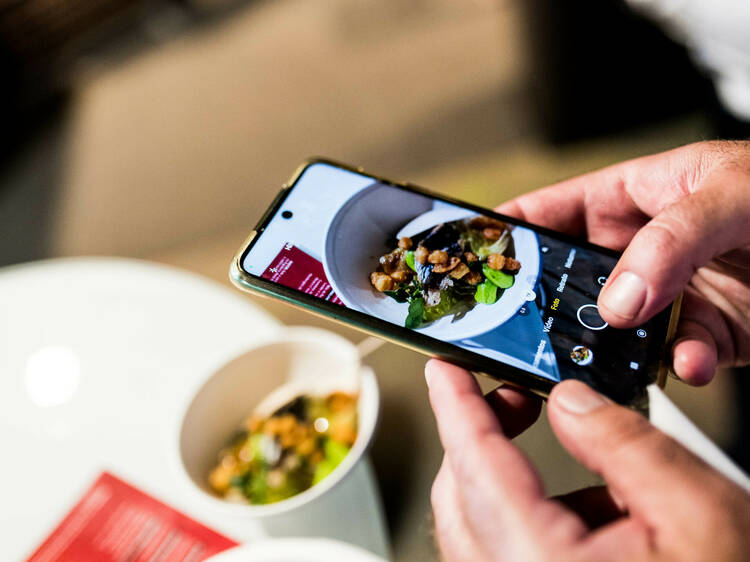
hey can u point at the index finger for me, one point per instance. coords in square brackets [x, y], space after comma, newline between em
[560, 206]
[474, 442]
[619, 197]
[499, 490]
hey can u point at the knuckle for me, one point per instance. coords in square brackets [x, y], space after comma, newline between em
[668, 243]
[665, 233]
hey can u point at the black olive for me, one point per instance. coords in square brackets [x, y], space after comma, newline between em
[427, 277]
[442, 237]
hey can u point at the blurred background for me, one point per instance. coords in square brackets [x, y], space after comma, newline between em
[161, 129]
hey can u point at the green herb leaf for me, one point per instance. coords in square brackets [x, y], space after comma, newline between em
[462, 289]
[414, 290]
[334, 454]
[335, 451]
[416, 311]
[323, 469]
[486, 293]
[256, 487]
[399, 295]
[409, 259]
[499, 278]
[483, 247]
[239, 480]
[256, 446]
[449, 303]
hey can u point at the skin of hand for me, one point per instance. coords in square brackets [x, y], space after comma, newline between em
[683, 220]
[661, 503]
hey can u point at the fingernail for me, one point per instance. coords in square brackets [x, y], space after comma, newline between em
[626, 295]
[578, 398]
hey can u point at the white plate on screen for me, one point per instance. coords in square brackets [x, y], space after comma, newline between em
[358, 234]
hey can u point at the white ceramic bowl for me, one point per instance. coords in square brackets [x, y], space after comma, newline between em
[358, 234]
[307, 358]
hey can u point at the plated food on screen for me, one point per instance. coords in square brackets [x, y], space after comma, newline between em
[448, 269]
[582, 355]
[283, 454]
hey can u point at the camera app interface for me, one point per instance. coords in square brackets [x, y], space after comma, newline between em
[494, 288]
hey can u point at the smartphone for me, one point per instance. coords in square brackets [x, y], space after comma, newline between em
[491, 293]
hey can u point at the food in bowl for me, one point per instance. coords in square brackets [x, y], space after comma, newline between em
[448, 269]
[279, 456]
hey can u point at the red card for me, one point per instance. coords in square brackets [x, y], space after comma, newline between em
[115, 522]
[294, 268]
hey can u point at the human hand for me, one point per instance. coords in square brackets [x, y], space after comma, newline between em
[683, 219]
[663, 503]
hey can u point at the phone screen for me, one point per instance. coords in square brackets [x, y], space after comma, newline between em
[492, 286]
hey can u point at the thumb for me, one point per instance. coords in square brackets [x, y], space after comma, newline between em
[644, 468]
[663, 256]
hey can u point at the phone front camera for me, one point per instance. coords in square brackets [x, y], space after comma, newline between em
[287, 214]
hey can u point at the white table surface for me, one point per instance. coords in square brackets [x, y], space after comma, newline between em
[142, 337]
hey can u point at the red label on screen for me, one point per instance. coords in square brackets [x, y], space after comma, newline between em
[114, 521]
[295, 269]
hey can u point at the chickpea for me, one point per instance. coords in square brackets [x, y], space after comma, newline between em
[287, 440]
[401, 276]
[492, 233]
[300, 433]
[287, 423]
[512, 265]
[220, 478]
[382, 282]
[420, 254]
[496, 261]
[306, 447]
[344, 432]
[254, 424]
[438, 257]
[271, 427]
[340, 401]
